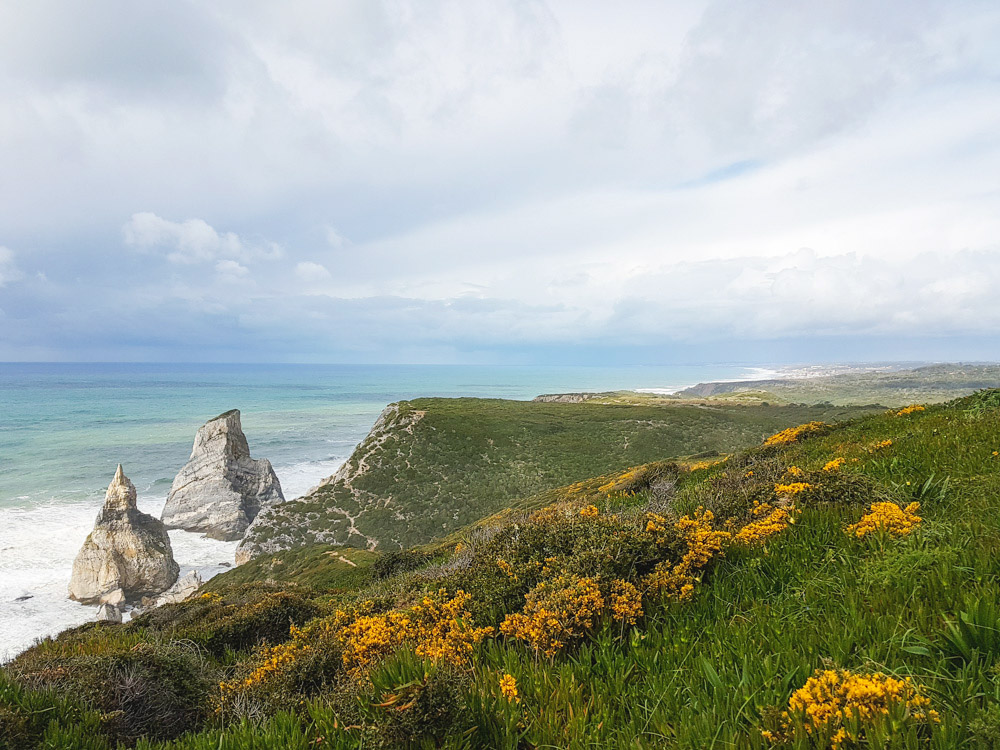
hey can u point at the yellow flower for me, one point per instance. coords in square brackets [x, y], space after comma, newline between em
[880, 445]
[791, 489]
[507, 568]
[626, 602]
[834, 464]
[841, 705]
[508, 688]
[676, 582]
[556, 612]
[888, 518]
[589, 512]
[792, 434]
[910, 410]
[795, 471]
[757, 532]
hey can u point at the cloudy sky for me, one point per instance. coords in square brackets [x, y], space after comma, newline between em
[499, 181]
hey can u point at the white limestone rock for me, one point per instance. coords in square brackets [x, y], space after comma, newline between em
[127, 555]
[109, 613]
[221, 489]
[185, 587]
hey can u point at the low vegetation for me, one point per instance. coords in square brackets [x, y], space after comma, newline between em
[835, 586]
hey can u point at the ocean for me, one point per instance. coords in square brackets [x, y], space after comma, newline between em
[65, 427]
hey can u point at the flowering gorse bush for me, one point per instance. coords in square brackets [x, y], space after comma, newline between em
[626, 602]
[438, 629]
[887, 518]
[768, 521]
[793, 434]
[556, 613]
[703, 542]
[836, 707]
[791, 488]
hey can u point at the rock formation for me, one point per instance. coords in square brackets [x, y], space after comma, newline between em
[109, 613]
[221, 489]
[127, 555]
[185, 587]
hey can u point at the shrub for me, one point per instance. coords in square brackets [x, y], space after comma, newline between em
[237, 620]
[394, 562]
[840, 708]
[155, 689]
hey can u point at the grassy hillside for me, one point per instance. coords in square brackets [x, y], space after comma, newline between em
[831, 587]
[431, 466]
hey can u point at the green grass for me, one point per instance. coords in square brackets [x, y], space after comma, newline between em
[707, 673]
[467, 458]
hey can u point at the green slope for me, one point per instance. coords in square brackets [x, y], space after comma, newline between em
[431, 466]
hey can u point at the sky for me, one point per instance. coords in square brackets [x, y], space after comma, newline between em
[499, 181]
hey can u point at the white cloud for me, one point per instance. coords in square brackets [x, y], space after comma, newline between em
[231, 270]
[9, 271]
[335, 239]
[191, 241]
[311, 272]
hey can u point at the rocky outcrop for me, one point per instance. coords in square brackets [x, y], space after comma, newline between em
[127, 555]
[221, 489]
[184, 588]
[109, 613]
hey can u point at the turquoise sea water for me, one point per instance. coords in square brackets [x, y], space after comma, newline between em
[64, 428]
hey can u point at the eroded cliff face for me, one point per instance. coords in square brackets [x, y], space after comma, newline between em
[127, 555]
[341, 501]
[221, 489]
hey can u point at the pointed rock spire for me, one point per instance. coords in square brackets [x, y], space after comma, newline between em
[127, 555]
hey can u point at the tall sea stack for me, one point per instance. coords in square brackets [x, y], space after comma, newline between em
[127, 555]
[221, 489]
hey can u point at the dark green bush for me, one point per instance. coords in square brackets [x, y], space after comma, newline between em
[155, 689]
[238, 620]
[394, 562]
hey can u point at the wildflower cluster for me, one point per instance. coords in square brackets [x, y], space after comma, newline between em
[589, 511]
[792, 434]
[437, 628]
[910, 410]
[556, 612]
[768, 521]
[880, 445]
[791, 489]
[795, 471]
[506, 568]
[834, 465]
[508, 688]
[626, 602]
[887, 518]
[838, 706]
[703, 543]
[274, 660]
